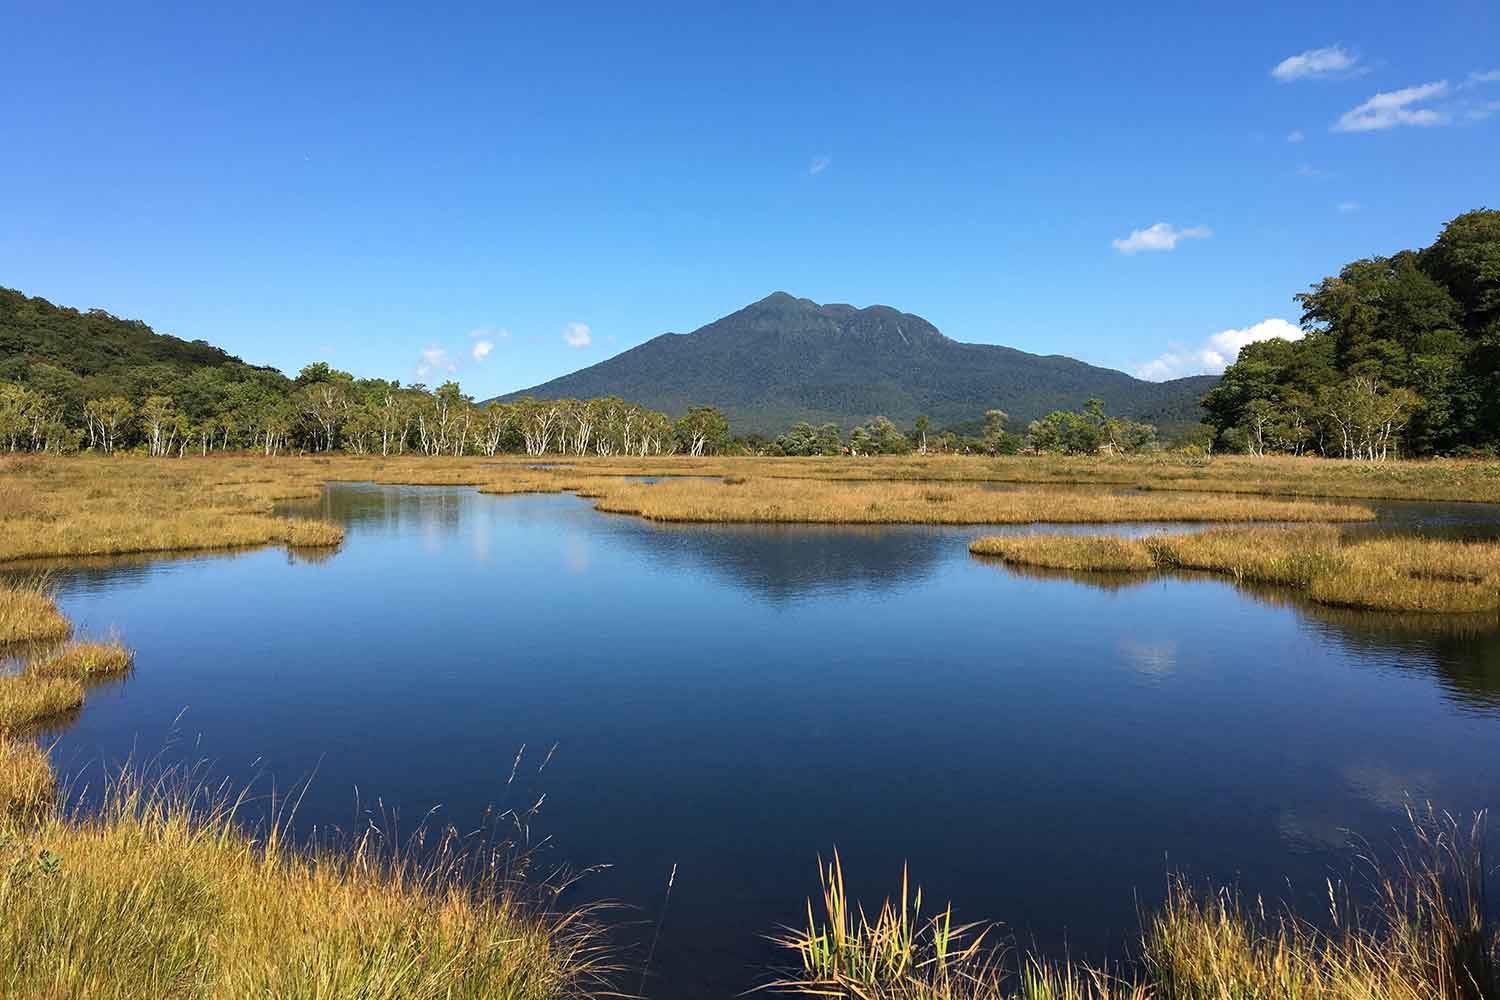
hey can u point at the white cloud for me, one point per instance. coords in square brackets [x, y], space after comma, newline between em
[1393, 108]
[482, 349]
[1348, 206]
[489, 333]
[1334, 59]
[1217, 352]
[1475, 79]
[1162, 236]
[819, 164]
[1295, 135]
[435, 359]
[1482, 112]
[578, 335]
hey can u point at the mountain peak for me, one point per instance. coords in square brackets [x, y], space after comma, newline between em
[784, 358]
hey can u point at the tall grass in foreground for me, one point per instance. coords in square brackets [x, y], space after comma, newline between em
[1410, 574]
[26, 783]
[1428, 934]
[160, 893]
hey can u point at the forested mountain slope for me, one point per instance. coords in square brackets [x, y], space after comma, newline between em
[785, 359]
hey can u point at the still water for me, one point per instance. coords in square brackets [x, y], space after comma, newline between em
[734, 701]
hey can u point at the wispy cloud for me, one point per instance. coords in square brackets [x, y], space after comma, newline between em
[482, 349]
[1162, 236]
[578, 335]
[1295, 135]
[1395, 108]
[328, 349]
[819, 164]
[1332, 60]
[1348, 207]
[1216, 352]
[435, 359]
[1306, 170]
[1475, 79]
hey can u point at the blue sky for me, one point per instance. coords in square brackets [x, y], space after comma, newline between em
[390, 191]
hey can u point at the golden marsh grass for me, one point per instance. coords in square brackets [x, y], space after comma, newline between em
[83, 661]
[1426, 935]
[62, 507]
[163, 895]
[1434, 479]
[25, 700]
[1405, 574]
[29, 614]
[806, 501]
[26, 784]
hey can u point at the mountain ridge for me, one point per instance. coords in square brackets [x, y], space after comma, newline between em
[783, 358]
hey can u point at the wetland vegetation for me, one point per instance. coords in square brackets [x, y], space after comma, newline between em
[1394, 573]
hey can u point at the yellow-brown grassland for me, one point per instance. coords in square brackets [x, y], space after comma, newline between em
[26, 782]
[161, 894]
[26, 699]
[1385, 573]
[28, 614]
[83, 661]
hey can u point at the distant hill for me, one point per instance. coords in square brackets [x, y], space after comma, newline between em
[72, 356]
[33, 330]
[785, 359]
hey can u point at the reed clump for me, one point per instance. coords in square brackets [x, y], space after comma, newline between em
[313, 534]
[26, 783]
[164, 894]
[1076, 553]
[84, 661]
[1427, 934]
[29, 614]
[27, 699]
[1408, 574]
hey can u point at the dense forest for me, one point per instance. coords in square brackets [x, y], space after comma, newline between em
[1401, 357]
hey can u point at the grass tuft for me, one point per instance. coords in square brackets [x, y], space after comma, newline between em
[26, 782]
[25, 700]
[313, 534]
[29, 614]
[84, 661]
[1079, 553]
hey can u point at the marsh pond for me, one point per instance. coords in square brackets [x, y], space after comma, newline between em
[735, 701]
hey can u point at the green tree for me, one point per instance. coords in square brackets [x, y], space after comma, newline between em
[702, 431]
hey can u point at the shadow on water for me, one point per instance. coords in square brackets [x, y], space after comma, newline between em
[732, 700]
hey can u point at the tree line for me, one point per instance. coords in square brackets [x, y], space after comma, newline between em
[1089, 431]
[324, 409]
[1401, 356]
